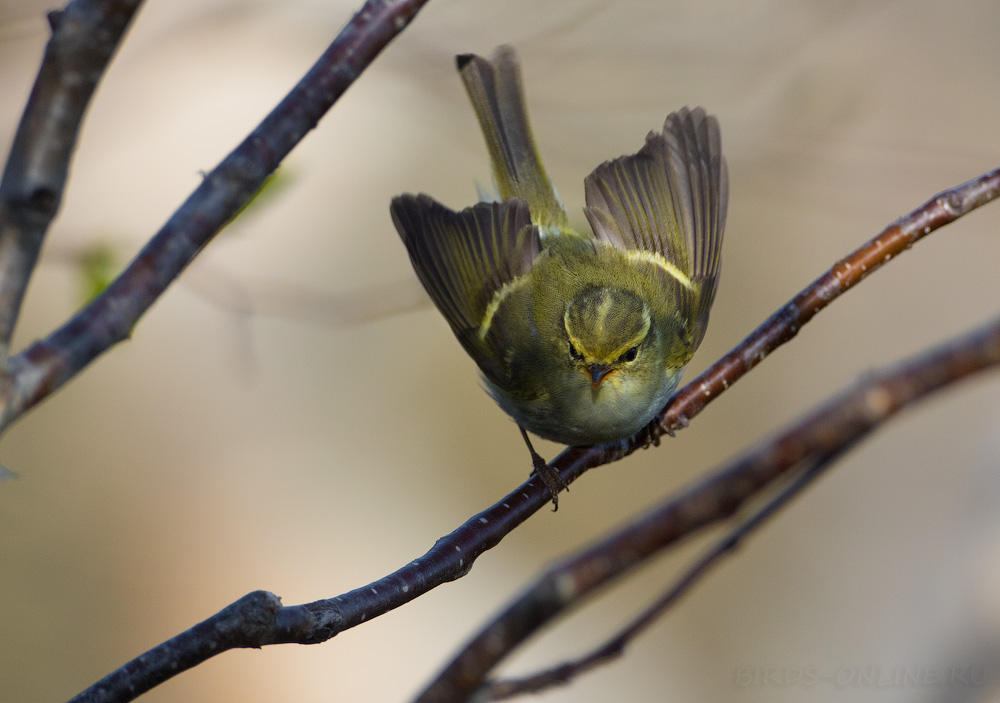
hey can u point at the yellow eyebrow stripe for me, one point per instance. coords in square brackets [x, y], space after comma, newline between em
[496, 302]
[652, 257]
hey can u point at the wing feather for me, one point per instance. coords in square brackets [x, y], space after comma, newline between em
[467, 261]
[669, 199]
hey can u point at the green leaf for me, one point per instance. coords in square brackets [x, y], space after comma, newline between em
[273, 186]
[98, 266]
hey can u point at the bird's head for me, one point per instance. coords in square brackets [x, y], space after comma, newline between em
[607, 332]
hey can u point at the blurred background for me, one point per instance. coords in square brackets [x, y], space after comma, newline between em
[276, 422]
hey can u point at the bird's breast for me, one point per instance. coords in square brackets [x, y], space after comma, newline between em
[575, 414]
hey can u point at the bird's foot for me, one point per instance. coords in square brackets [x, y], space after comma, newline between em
[549, 476]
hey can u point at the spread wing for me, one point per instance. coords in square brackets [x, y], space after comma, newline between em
[666, 205]
[468, 262]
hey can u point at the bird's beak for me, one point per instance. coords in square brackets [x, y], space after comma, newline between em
[597, 373]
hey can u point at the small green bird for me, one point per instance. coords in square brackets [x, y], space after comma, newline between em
[580, 337]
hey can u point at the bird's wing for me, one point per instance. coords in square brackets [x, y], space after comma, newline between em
[666, 205]
[470, 262]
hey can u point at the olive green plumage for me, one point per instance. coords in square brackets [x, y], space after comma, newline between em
[581, 338]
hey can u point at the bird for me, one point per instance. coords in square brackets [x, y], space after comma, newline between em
[580, 337]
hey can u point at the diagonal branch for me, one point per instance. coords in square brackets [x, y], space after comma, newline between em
[85, 36]
[453, 555]
[247, 620]
[45, 366]
[839, 424]
[944, 208]
[501, 689]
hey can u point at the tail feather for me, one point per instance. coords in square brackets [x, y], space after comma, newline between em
[494, 87]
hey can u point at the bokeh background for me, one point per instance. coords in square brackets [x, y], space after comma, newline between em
[255, 434]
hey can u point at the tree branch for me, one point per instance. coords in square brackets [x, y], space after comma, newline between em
[835, 426]
[452, 556]
[494, 690]
[85, 36]
[944, 208]
[248, 620]
[48, 364]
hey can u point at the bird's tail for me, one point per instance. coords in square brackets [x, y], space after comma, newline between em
[494, 87]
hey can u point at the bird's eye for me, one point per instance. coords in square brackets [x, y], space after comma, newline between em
[573, 352]
[629, 355]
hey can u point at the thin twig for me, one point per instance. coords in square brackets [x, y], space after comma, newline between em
[48, 364]
[453, 555]
[944, 208]
[839, 423]
[85, 36]
[501, 689]
[248, 619]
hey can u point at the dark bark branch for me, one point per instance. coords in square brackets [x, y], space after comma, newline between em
[942, 209]
[246, 623]
[835, 426]
[453, 555]
[85, 36]
[494, 690]
[45, 366]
